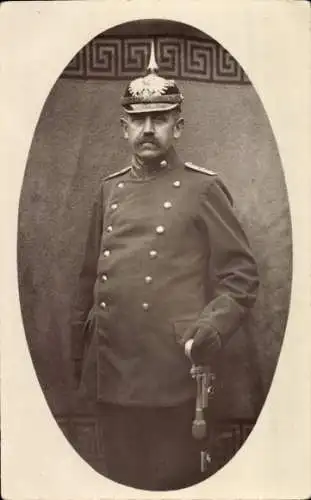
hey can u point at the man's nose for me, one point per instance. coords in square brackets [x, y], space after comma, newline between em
[148, 125]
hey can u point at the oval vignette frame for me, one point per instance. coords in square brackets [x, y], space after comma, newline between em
[286, 155]
[77, 128]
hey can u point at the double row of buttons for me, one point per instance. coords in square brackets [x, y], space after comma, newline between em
[152, 253]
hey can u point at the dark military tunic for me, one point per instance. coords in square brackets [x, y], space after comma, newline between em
[163, 251]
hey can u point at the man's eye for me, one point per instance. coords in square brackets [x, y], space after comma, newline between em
[160, 119]
[137, 120]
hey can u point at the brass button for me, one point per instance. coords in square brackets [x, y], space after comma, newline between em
[160, 229]
[114, 206]
[121, 185]
[163, 164]
[145, 306]
[106, 253]
[153, 254]
[103, 305]
[109, 229]
[176, 184]
[148, 279]
[167, 204]
[104, 277]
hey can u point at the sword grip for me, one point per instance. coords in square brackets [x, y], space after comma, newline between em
[204, 379]
[199, 427]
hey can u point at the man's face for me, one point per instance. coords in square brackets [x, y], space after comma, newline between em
[150, 135]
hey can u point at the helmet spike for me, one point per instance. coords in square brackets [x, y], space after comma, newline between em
[152, 66]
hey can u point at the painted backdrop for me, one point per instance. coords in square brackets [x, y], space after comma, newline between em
[78, 141]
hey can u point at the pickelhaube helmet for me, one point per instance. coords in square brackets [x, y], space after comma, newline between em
[151, 92]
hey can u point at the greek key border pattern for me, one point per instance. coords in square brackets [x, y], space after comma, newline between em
[180, 58]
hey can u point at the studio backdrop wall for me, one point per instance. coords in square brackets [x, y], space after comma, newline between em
[78, 142]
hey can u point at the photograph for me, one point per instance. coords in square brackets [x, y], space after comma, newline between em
[156, 269]
[154, 254]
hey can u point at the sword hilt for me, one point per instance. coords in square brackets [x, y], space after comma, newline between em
[204, 381]
[199, 427]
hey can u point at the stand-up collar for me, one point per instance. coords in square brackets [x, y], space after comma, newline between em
[165, 164]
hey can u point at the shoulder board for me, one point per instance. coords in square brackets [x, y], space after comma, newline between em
[203, 170]
[116, 174]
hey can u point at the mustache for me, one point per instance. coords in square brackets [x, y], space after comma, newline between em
[149, 139]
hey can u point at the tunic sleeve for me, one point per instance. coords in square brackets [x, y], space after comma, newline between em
[87, 277]
[232, 263]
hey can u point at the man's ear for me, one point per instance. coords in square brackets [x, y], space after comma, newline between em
[124, 125]
[178, 127]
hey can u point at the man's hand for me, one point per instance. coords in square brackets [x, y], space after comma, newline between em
[202, 342]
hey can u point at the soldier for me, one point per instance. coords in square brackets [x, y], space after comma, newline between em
[168, 278]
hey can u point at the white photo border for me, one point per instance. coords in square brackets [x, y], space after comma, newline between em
[271, 41]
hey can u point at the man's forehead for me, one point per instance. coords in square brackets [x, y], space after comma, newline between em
[151, 114]
[142, 115]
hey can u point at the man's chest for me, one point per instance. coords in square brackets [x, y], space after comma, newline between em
[163, 208]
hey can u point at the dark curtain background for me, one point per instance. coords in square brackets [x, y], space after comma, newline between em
[78, 141]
